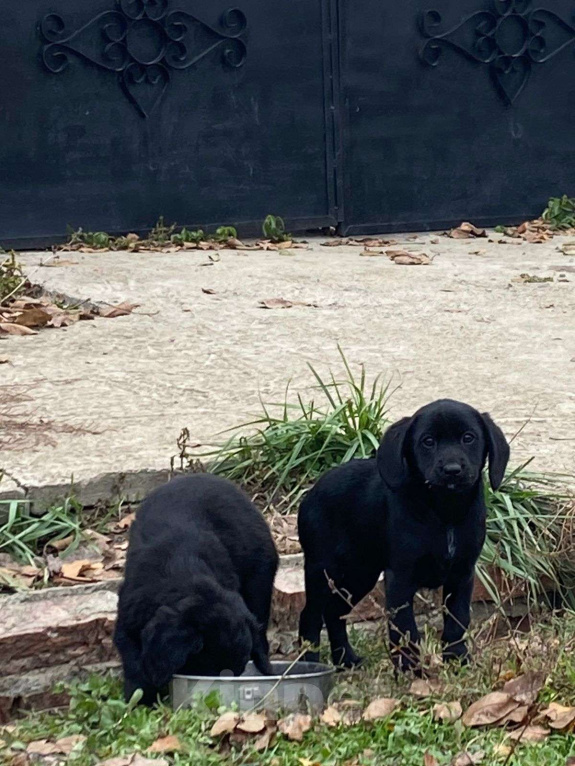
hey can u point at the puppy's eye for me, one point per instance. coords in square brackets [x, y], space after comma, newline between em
[428, 441]
[468, 438]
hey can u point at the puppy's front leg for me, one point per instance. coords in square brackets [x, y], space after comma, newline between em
[403, 633]
[456, 604]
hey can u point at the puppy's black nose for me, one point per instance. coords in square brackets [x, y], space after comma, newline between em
[452, 469]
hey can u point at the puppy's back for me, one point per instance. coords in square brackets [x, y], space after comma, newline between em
[343, 502]
[205, 511]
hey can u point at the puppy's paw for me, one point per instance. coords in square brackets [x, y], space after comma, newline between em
[347, 660]
[456, 653]
[407, 661]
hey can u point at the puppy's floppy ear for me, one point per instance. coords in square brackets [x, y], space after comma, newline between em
[391, 461]
[497, 450]
[166, 645]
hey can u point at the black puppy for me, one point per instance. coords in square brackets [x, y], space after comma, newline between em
[198, 584]
[416, 512]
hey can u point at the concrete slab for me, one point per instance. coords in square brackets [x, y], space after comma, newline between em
[110, 397]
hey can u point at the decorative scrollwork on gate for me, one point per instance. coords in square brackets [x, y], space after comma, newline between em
[510, 38]
[142, 41]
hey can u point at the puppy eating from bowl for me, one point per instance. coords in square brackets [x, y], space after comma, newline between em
[415, 512]
[197, 590]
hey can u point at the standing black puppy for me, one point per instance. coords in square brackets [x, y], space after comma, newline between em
[416, 512]
[197, 590]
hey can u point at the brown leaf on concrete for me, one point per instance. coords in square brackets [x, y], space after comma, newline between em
[380, 708]
[121, 310]
[169, 744]
[411, 259]
[467, 230]
[36, 317]
[525, 689]
[275, 303]
[9, 328]
[295, 726]
[489, 710]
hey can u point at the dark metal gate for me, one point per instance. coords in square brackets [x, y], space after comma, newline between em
[455, 110]
[374, 115]
[114, 112]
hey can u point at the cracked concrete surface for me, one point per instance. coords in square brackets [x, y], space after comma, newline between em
[103, 402]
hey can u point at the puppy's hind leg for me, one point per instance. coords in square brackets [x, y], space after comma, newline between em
[257, 595]
[311, 618]
[340, 604]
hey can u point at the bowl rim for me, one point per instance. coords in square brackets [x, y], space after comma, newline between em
[326, 670]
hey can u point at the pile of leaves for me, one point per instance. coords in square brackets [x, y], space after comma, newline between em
[25, 309]
[514, 707]
[170, 239]
[56, 549]
[557, 218]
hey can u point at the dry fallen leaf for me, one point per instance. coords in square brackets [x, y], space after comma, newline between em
[467, 230]
[515, 716]
[42, 747]
[59, 544]
[295, 726]
[570, 762]
[225, 724]
[568, 248]
[447, 712]
[4, 360]
[208, 291]
[169, 744]
[559, 716]
[406, 258]
[264, 741]
[380, 708]
[275, 303]
[430, 760]
[121, 310]
[73, 569]
[36, 317]
[468, 759]
[423, 687]
[15, 329]
[331, 716]
[126, 521]
[525, 689]
[253, 723]
[530, 734]
[489, 709]
[133, 760]
[502, 751]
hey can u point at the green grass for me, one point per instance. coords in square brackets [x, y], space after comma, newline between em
[24, 535]
[295, 443]
[113, 728]
[560, 212]
[280, 454]
[12, 278]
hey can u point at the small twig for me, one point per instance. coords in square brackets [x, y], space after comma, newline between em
[278, 682]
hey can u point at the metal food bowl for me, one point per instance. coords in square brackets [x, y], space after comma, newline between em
[299, 686]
